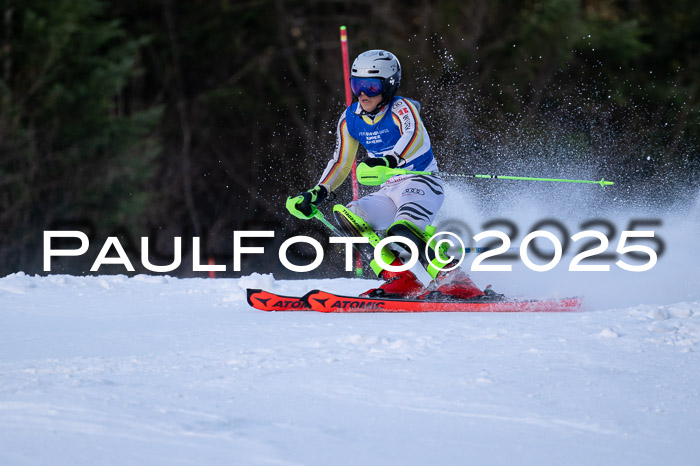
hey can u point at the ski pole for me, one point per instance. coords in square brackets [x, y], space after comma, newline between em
[320, 217]
[374, 176]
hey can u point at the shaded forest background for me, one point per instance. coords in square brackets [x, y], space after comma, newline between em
[197, 118]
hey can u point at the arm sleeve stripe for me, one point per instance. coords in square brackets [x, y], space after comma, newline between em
[397, 122]
[416, 131]
[340, 166]
[341, 153]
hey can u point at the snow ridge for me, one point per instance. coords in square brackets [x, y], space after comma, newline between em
[154, 369]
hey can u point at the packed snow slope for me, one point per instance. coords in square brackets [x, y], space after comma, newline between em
[158, 370]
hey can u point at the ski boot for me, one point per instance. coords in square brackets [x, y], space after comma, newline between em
[453, 284]
[397, 284]
[491, 295]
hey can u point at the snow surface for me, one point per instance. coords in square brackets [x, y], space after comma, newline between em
[159, 370]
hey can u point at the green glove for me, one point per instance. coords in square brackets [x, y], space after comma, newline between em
[303, 206]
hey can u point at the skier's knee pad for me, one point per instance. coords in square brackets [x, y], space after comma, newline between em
[352, 224]
[432, 258]
[408, 230]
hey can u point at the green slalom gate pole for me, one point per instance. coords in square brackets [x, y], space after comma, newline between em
[374, 176]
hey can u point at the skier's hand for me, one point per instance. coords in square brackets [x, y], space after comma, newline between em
[390, 161]
[304, 205]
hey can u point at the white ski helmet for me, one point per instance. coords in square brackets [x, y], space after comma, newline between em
[377, 64]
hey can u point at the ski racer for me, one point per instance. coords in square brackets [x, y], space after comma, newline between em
[390, 128]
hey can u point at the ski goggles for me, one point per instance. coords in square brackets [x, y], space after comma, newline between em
[370, 86]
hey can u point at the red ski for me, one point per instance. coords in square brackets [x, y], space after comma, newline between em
[327, 302]
[266, 301]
